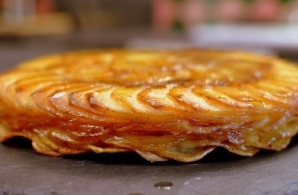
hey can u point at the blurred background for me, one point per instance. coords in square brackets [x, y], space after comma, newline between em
[29, 28]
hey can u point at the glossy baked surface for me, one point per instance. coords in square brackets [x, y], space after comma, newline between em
[166, 104]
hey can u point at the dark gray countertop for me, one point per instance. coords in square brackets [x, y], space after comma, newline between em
[23, 172]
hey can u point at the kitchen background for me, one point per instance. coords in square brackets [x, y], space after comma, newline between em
[30, 28]
[33, 27]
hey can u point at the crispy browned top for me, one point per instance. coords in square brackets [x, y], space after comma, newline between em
[154, 68]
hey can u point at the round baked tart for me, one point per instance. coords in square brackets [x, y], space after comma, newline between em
[162, 104]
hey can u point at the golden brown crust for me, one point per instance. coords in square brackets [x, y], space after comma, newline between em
[166, 104]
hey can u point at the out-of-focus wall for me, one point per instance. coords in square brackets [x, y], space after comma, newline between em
[166, 15]
[107, 14]
[62, 16]
[233, 23]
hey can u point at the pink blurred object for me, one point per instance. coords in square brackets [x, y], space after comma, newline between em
[164, 13]
[266, 10]
[193, 11]
[168, 13]
[45, 6]
[231, 10]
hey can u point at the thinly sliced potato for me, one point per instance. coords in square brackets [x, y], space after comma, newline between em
[164, 104]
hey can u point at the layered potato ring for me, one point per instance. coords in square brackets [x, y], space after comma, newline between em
[164, 104]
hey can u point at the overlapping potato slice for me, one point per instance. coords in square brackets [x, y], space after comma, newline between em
[165, 104]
